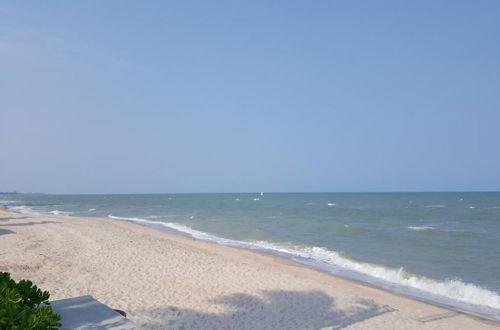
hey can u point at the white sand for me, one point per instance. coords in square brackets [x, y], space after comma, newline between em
[168, 281]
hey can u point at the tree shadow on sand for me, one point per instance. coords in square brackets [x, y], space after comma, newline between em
[5, 232]
[12, 218]
[291, 310]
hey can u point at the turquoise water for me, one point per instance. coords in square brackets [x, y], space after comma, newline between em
[441, 247]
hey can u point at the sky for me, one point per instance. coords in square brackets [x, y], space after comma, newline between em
[244, 96]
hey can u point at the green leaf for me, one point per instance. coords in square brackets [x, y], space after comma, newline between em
[24, 306]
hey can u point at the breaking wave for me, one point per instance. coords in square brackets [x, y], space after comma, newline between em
[24, 210]
[7, 202]
[417, 228]
[57, 212]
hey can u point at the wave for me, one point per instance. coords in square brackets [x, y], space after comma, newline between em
[57, 212]
[91, 210]
[352, 229]
[420, 228]
[332, 204]
[164, 216]
[436, 206]
[7, 202]
[23, 209]
[454, 289]
[452, 292]
[133, 219]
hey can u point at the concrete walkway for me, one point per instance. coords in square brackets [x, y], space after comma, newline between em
[87, 313]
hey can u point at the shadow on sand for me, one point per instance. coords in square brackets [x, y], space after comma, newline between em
[5, 232]
[12, 218]
[290, 310]
[28, 223]
[8, 231]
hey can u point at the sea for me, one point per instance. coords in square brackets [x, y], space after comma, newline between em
[442, 248]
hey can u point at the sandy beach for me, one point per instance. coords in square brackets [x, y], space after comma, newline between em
[168, 281]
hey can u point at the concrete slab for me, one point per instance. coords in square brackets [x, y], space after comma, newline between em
[87, 313]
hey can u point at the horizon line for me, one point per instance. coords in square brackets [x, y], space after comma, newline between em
[256, 192]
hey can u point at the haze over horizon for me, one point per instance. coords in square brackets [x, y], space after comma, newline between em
[128, 97]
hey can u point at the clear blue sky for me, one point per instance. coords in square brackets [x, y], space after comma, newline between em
[224, 96]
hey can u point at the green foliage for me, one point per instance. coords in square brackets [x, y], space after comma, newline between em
[24, 306]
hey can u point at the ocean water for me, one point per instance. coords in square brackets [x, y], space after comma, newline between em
[437, 247]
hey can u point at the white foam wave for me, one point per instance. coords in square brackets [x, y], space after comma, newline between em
[419, 228]
[57, 212]
[332, 204]
[453, 289]
[436, 206]
[24, 210]
[133, 219]
[91, 210]
[472, 207]
[7, 202]
[256, 199]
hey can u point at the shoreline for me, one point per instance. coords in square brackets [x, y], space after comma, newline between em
[261, 271]
[284, 260]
